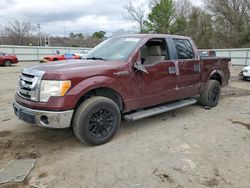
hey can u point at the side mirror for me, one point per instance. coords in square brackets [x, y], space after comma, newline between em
[140, 67]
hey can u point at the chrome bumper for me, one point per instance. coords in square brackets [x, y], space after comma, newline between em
[49, 119]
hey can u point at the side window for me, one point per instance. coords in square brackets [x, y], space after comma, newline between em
[184, 49]
[154, 51]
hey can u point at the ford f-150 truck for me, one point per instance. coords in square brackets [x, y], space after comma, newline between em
[129, 77]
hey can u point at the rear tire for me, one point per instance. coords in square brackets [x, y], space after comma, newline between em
[7, 63]
[210, 97]
[241, 76]
[96, 120]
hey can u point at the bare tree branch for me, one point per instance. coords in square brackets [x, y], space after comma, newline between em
[183, 8]
[136, 14]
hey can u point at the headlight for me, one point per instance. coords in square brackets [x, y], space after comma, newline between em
[51, 88]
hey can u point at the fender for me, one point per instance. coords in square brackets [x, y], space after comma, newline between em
[93, 83]
[207, 77]
[216, 71]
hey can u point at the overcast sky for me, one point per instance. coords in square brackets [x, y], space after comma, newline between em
[59, 17]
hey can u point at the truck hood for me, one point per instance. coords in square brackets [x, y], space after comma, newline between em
[76, 68]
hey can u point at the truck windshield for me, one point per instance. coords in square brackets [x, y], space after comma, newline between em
[114, 49]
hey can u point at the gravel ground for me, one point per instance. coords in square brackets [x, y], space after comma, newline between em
[189, 147]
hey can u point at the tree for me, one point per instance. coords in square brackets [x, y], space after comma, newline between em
[199, 27]
[183, 8]
[99, 34]
[234, 15]
[161, 16]
[76, 39]
[136, 14]
[179, 26]
[19, 33]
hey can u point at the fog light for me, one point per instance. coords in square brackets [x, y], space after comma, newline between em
[44, 120]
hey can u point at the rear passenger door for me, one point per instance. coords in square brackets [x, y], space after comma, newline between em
[189, 68]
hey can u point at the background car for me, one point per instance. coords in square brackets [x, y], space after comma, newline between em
[7, 59]
[244, 73]
[60, 57]
[207, 53]
[82, 54]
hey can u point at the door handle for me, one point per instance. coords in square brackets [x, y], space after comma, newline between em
[121, 73]
[172, 70]
[197, 67]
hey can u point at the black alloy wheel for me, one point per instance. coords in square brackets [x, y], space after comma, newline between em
[101, 123]
[96, 120]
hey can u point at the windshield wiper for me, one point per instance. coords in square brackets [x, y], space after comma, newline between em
[96, 58]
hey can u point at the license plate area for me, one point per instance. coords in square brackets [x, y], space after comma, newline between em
[25, 116]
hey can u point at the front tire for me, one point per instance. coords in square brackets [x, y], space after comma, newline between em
[7, 63]
[210, 97]
[96, 120]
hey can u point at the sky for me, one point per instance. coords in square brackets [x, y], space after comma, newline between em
[61, 17]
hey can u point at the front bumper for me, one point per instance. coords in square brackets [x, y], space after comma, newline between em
[49, 119]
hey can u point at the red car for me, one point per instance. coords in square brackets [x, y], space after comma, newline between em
[60, 57]
[7, 59]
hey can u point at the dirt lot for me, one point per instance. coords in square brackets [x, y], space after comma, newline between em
[190, 147]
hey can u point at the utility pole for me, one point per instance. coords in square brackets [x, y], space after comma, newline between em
[65, 39]
[1, 34]
[39, 31]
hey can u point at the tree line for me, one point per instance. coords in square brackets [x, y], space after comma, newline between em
[24, 33]
[219, 24]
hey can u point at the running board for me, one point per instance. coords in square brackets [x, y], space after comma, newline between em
[159, 109]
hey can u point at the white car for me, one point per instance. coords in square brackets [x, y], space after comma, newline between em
[245, 73]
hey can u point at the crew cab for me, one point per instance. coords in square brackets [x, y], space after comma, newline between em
[130, 77]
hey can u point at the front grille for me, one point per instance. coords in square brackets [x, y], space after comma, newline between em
[29, 83]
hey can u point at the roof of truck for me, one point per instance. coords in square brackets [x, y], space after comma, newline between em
[153, 35]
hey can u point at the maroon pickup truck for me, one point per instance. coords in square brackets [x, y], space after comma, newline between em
[129, 77]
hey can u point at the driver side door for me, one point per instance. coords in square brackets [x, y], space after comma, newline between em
[158, 85]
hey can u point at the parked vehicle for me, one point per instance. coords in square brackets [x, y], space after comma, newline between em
[244, 73]
[83, 53]
[130, 77]
[7, 59]
[206, 53]
[65, 56]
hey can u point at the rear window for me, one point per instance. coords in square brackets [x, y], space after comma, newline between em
[184, 49]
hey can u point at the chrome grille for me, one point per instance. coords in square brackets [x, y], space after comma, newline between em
[29, 84]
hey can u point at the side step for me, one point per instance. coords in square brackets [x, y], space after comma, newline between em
[159, 109]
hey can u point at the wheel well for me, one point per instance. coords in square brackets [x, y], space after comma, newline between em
[217, 77]
[55, 59]
[7, 60]
[104, 92]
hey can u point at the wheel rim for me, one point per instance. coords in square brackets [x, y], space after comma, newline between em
[7, 63]
[101, 123]
[215, 94]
